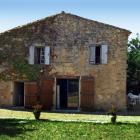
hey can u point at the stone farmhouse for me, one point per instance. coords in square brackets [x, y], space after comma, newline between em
[65, 62]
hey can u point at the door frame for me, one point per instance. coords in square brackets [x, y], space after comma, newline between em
[55, 107]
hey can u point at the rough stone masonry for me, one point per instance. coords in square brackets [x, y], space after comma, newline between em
[69, 37]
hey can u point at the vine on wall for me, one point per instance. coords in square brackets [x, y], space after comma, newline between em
[20, 69]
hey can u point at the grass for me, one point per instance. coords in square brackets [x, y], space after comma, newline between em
[47, 130]
[20, 125]
[4, 113]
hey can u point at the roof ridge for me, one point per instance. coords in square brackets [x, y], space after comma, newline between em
[63, 12]
[106, 24]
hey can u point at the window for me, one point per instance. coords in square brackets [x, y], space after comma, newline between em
[39, 55]
[98, 54]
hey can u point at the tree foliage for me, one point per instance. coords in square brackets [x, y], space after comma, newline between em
[133, 71]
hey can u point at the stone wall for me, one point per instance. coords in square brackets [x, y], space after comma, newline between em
[6, 98]
[69, 37]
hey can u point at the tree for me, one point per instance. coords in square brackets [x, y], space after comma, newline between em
[133, 70]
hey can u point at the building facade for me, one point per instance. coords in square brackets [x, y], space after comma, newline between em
[80, 64]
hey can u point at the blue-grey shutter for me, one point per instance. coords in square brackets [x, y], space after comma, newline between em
[92, 54]
[104, 54]
[47, 55]
[31, 55]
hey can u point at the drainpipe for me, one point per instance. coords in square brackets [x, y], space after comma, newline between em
[79, 107]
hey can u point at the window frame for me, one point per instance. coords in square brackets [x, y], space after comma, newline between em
[103, 53]
[39, 50]
[43, 57]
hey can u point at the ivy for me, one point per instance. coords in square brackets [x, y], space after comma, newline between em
[3, 55]
[4, 77]
[23, 69]
[18, 68]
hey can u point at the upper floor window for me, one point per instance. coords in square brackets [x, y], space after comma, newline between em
[98, 54]
[39, 55]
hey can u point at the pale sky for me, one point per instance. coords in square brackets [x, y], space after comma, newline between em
[121, 13]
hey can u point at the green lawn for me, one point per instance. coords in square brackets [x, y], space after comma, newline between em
[20, 125]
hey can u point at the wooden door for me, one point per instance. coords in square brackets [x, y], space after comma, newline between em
[46, 96]
[87, 93]
[30, 94]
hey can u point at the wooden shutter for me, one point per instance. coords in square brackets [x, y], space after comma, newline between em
[31, 55]
[87, 93]
[46, 96]
[92, 54]
[47, 55]
[104, 54]
[30, 90]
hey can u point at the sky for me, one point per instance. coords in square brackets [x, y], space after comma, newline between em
[120, 13]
